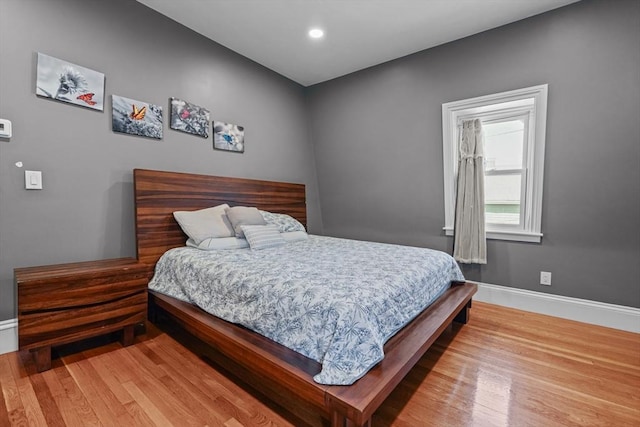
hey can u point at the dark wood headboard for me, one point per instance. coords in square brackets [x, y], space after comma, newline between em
[158, 194]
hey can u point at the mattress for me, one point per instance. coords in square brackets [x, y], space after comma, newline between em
[336, 301]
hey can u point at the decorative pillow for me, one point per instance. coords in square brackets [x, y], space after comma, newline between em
[242, 215]
[262, 236]
[214, 243]
[284, 222]
[294, 236]
[205, 223]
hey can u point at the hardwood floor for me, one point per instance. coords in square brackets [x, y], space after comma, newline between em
[504, 368]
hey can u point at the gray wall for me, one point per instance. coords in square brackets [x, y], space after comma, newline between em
[85, 210]
[378, 147]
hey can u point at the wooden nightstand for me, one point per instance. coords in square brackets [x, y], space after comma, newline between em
[59, 304]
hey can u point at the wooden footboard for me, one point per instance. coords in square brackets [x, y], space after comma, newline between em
[276, 370]
[358, 402]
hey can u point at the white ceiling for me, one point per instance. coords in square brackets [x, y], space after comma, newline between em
[358, 33]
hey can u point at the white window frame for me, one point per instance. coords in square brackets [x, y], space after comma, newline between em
[485, 107]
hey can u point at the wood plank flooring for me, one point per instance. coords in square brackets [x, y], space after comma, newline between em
[504, 368]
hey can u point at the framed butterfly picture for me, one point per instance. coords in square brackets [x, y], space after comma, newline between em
[189, 118]
[228, 137]
[67, 82]
[136, 117]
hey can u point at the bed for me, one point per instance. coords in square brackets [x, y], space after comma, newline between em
[270, 367]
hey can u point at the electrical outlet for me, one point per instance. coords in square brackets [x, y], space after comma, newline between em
[545, 278]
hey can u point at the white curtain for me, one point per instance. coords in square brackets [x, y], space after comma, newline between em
[470, 244]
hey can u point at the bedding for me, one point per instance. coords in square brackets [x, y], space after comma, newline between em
[285, 223]
[336, 301]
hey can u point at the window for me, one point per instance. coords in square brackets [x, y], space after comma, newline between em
[504, 143]
[514, 127]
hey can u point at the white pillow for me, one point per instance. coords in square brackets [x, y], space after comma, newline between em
[205, 223]
[294, 236]
[214, 243]
[262, 236]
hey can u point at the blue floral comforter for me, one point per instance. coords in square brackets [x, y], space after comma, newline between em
[336, 301]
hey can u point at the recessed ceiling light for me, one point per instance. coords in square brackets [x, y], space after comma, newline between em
[316, 33]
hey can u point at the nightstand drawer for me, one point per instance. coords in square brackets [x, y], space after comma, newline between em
[65, 291]
[73, 323]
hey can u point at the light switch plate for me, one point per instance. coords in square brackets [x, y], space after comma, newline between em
[33, 180]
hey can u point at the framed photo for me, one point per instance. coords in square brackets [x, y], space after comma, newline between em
[136, 117]
[228, 137]
[67, 82]
[189, 118]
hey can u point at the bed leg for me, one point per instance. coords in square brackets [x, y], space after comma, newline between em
[463, 316]
[42, 357]
[128, 334]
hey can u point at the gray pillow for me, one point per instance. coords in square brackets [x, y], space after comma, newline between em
[243, 215]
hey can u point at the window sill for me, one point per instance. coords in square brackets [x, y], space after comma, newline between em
[519, 236]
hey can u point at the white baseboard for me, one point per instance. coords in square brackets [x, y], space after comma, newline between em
[581, 310]
[8, 336]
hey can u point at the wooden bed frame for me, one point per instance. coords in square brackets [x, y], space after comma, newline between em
[269, 367]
